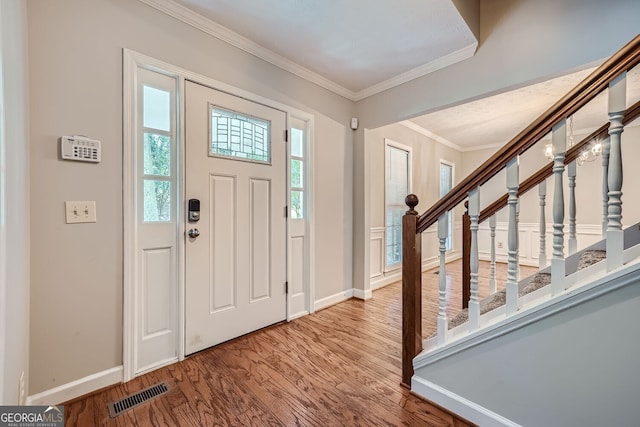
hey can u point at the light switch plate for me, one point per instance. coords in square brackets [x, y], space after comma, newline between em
[80, 211]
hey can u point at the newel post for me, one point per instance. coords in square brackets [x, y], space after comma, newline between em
[411, 289]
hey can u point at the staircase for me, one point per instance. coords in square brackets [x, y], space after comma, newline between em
[559, 347]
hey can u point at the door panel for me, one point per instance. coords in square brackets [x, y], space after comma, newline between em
[236, 267]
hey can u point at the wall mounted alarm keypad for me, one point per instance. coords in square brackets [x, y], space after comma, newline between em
[80, 148]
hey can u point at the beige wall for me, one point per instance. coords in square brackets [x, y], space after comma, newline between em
[75, 51]
[14, 204]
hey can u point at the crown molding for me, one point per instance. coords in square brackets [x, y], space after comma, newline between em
[220, 32]
[422, 70]
[416, 128]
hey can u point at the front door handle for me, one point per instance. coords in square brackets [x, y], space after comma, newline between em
[193, 233]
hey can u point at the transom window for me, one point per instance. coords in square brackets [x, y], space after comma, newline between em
[239, 136]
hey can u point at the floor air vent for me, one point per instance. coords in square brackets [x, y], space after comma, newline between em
[123, 405]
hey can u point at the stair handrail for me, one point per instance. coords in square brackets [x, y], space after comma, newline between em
[413, 224]
[535, 179]
[623, 60]
[546, 171]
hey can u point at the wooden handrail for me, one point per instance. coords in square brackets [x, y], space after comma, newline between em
[545, 172]
[623, 60]
[413, 224]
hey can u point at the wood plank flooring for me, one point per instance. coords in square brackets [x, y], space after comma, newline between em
[337, 367]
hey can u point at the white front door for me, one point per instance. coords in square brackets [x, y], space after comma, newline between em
[236, 168]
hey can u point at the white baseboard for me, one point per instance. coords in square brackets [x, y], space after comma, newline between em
[77, 388]
[363, 295]
[382, 281]
[333, 299]
[458, 405]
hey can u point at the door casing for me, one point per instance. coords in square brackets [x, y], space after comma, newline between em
[131, 62]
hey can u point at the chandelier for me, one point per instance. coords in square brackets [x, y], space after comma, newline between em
[589, 153]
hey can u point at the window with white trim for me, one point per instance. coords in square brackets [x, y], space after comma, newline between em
[397, 187]
[157, 149]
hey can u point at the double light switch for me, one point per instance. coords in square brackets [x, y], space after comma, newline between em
[80, 211]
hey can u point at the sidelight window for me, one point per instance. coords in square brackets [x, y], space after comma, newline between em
[157, 146]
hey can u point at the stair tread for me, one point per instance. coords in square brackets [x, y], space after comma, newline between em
[540, 280]
[591, 257]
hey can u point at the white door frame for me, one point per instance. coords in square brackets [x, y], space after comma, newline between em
[131, 62]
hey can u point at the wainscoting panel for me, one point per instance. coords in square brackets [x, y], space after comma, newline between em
[529, 243]
[376, 255]
[380, 278]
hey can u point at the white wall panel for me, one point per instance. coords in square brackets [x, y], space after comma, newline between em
[223, 242]
[260, 236]
[159, 291]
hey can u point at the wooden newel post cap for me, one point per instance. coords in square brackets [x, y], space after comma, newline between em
[412, 201]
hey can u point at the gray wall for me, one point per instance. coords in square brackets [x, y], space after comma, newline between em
[75, 79]
[559, 371]
[14, 203]
[521, 42]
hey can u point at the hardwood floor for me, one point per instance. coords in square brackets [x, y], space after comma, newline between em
[337, 367]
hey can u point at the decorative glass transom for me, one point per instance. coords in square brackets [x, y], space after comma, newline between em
[239, 136]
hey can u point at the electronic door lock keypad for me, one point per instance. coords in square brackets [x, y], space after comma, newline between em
[194, 210]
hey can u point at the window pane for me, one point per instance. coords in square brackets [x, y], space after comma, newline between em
[157, 155]
[296, 142]
[446, 179]
[239, 136]
[156, 109]
[157, 200]
[297, 204]
[394, 234]
[397, 183]
[397, 188]
[296, 173]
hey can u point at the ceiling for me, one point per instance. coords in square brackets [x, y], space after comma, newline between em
[357, 48]
[493, 121]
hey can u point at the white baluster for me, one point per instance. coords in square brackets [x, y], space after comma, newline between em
[605, 185]
[518, 239]
[573, 241]
[512, 235]
[492, 271]
[443, 231]
[615, 235]
[474, 302]
[542, 194]
[559, 142]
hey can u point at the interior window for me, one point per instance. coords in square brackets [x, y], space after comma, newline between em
[397, 186]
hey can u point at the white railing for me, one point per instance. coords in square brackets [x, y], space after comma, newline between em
[611, 75]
